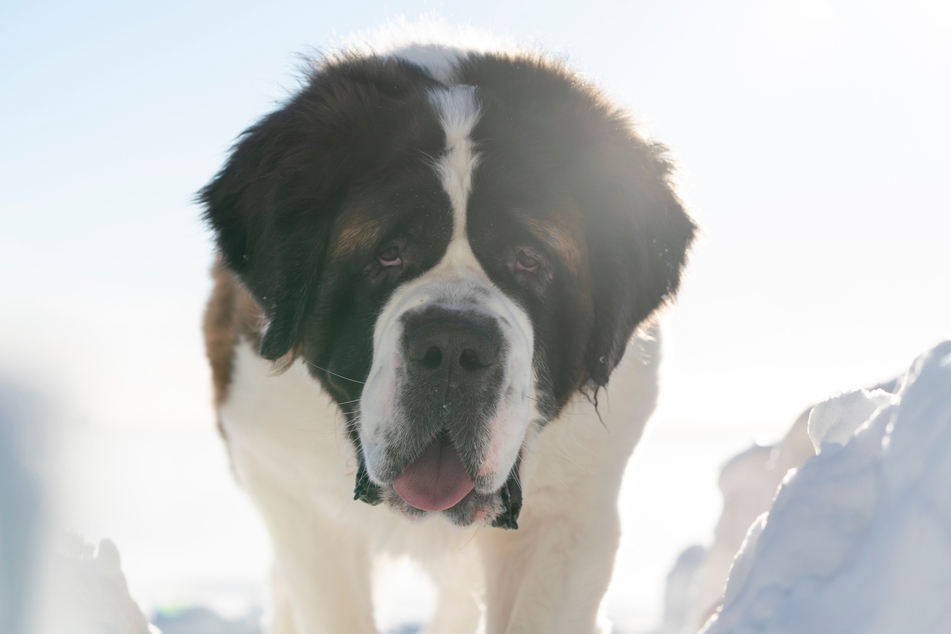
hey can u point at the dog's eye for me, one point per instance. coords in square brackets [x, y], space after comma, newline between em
[526, 262]
[390, 256]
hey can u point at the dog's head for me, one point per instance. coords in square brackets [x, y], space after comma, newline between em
[454, 255]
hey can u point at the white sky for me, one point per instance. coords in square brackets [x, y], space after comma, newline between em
[813, 142]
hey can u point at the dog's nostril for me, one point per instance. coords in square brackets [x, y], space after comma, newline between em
[450, 345]
[433, 358]
[469, 360]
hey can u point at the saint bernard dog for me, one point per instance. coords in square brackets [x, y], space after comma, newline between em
[427, 332]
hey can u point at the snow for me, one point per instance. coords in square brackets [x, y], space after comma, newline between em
[836, 419]
[677, 599]
[85, 592]
[747, 485]
[859, 537]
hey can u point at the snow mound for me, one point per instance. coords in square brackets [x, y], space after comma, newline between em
[859, 538]
[86, 592]
[836, 419]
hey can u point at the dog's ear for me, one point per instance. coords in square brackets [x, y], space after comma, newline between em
[270, 223]
[637, 232]
[273, 205]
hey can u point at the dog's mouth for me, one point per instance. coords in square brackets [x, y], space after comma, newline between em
[436, 480]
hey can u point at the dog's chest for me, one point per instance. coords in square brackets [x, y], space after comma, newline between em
[290, 451]
[285, 435]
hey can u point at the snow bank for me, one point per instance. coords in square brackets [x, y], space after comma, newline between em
[747, 482]
[86, 593]
[859, 538]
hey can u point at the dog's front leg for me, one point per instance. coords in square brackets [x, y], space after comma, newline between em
[550, 574]
[322, 573]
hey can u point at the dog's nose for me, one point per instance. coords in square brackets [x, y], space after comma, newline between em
[449, 342]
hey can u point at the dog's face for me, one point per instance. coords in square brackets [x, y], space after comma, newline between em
[454, 259]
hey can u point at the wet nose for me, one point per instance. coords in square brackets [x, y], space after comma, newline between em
[454, 343]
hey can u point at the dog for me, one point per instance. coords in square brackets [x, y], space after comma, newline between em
[430, 333]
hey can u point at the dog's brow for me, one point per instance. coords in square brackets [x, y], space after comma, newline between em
[355, 231]
[559, 235]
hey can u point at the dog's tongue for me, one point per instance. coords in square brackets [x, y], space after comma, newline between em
[435, 481]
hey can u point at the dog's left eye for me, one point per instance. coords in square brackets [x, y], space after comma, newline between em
[526, 262]
[390, 256]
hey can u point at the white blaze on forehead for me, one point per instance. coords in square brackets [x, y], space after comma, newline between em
[458, 281]
[428, 42]
[458, 113]
[439, 60]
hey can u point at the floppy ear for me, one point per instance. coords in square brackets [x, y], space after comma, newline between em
[638, 235]
[256, 207]
[274, 203]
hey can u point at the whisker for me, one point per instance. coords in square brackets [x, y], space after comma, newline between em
[336, 422]
[578, 445]
[541, 428]
[558, 450]
[581, 446]
[518, 479]
[554, 476]
[468, 541]
[321, 439]
[345, 378]
[309, 424]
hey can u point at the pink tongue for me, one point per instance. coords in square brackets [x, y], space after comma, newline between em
[435, 481]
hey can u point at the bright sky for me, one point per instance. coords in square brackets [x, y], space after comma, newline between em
[812, 139]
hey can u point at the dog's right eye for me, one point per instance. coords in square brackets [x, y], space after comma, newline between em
[526, 262]
[390, 256]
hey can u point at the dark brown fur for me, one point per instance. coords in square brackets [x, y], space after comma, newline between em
[231, 314]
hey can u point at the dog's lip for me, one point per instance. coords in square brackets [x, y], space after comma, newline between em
[436, 480]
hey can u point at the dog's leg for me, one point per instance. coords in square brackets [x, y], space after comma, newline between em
[324, 576]
[551, 577]
[280, 620]
[551, 573]
[458, 580]
[290, 452]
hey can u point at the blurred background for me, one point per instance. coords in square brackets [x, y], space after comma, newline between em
[812, 141]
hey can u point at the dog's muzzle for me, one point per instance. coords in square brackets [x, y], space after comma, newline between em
[453, 376]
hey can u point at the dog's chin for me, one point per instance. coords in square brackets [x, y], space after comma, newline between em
[475, 509]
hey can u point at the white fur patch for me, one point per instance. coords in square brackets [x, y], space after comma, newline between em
[458, 113]
[458, 281]
[439, 60]
[430, 43]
